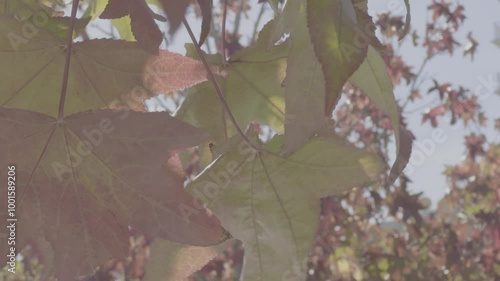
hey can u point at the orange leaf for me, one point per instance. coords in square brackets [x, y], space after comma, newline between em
[170, 72]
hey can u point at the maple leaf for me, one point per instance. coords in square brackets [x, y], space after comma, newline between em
[170, 72]
[433, 114]
[271, 203]
[457, 16]
[439, 9]
[60, 25]
[206, 12]
[171, 261]
[83, 180]
[98, 74]
[142, 20]
[441, 89]
[372, 78]
[471, 47]
[340, 43]
[23, 9]
[390, 25]
[41, 16]
[304, 83]
[252, 89]
[175, 11]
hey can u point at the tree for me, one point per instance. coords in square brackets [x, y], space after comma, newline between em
[262, 173]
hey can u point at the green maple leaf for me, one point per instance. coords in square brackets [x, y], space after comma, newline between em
[323, 44]
[22, 9]
[340, 43]
[252, 89]
[304, 82]
[101, 70]
[271, 203]
[372, 78]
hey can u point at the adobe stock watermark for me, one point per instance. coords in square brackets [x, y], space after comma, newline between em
[425, 148]
[218, 181]
[361, 41]
[487, 86]
[93, 138]
[29, 29]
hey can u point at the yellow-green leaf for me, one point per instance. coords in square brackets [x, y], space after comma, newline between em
[100, 72]
[372, 78]
[304, 83]
[252, 88]
[339, 43]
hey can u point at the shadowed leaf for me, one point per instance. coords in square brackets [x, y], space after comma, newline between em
[206, 12]
[142, 20]
[175, 11]
[82, 181]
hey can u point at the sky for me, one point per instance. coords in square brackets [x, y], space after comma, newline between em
[483, 19]
[429, 159]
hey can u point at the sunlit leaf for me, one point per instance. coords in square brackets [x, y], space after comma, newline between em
[271, 203]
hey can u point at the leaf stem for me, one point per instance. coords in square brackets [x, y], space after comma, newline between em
[69, 45]
[216, 87]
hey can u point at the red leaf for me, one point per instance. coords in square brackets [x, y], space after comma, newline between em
[170, 72]
[433, 114]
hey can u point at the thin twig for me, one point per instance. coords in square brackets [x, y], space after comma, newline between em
[69, 45]
[412, 88]
[224, 17]
[238, 18]
[422, 106]
[216, 87]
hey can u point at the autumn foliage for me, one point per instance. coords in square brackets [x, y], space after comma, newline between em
[279, 152]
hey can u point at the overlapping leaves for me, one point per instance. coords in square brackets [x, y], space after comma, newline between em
[270, 202]
[34, 65]
[251, 87]
[88, 177]
[84, 179]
